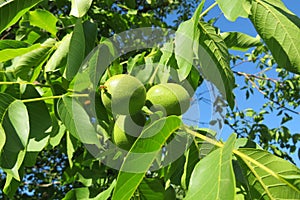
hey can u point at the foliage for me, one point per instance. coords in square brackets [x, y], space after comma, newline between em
[54, 129]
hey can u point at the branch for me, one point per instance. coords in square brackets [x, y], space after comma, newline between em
[249, 76]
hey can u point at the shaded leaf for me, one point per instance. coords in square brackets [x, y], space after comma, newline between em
[76, 51]
[5, 101]
[214, 175]
[192, 158]
[235, 9]
[44, 20]
[12, 44]
[11, 186]
[214, 61]
[151, 189]
[13, 10]
[280, 30]
[106, 193]
[11, 162]
[90, 34]
[39, 120]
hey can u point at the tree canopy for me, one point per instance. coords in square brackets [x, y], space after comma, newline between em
[61, 117]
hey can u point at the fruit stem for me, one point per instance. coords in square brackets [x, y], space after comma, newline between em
[153, 76]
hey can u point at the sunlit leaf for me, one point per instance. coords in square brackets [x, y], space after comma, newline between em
[22, 65]
[214, 175]
[240, 41]
[186, 42]
[280, 30]
[44, 20]
[70, 149]
[59, 55]
[80, 7]
[13, 10]
[235, 9]
[268, 176]
[214, 61]
[143, 152]
[10, 53]
[18, 116]
[77, 120]
[2, 138]
[77, 193]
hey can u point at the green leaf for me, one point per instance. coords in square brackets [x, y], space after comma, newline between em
[11, 186]
[39, 120]
[106, 193]
[185, 44]
[76, 51]
[59, 55]
[191, 159]
[18, 116]
[77, 120]
[44, 20]
[213, 176]
[14, 117]
[11, 162]
[235, 9]
[77, 193]
[10, 53]
[214, 61]
[5, 101]
[279, 28]
[240, 41]
[13, 11]
[268, 175]
[22, 65]
[80, 7]
[12, 44]
[90, 34]
[70, 149]
[151, 189]
[144, 151]
[57, 135]
[2, 138]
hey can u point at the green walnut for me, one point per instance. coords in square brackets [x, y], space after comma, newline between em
[171, 98]
[127, 128]
[123, 94]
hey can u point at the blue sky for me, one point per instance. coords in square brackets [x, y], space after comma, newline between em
[257, 100]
